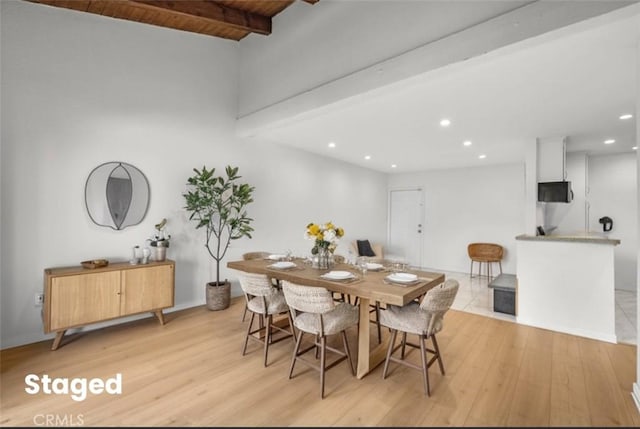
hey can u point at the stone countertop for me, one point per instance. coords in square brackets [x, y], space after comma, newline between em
[592, 238]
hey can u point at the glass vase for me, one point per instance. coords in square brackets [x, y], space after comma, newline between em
[324, 259]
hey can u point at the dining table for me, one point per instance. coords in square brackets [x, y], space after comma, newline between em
[370, 287]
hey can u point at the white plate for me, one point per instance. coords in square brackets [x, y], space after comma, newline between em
[338, 275]
[402, 277]
[283, 264]
[373, 266]
[276, 257]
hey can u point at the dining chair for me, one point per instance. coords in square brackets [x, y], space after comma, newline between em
[339, 259]
[424, 320]
[314, 312]
[263, 299]
[248, 256]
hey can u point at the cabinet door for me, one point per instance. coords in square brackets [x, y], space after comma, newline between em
[146, 289]
[83, 299]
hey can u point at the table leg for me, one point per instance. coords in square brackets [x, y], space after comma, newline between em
[363, 338]
[367, 359]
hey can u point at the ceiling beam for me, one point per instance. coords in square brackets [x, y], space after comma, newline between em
[212, 11]
[205, 11]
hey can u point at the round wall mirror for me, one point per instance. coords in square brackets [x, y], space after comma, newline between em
[116, 195]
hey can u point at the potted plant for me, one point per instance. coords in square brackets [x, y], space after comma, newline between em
[218, 204]
[160, 241]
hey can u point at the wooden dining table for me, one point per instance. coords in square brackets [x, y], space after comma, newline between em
[369, 288]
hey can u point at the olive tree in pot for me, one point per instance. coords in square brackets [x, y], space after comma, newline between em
[218, 204]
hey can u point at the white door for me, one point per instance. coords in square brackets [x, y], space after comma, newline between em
[405, 225]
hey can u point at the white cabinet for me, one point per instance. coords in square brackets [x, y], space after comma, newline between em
[552, 159]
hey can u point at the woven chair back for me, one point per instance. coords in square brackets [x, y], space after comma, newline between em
[437, 302]
[256, 284]
[308, 299]
[255, 255]
[489, 251]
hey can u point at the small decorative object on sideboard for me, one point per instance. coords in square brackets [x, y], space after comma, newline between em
[95, 263]
[135, 255]
[160, 241]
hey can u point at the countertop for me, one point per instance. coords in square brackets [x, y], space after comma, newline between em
[587, 237]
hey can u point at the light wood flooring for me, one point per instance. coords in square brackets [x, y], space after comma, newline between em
[190, 372]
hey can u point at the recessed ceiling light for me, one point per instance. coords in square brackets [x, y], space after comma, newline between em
[445, 123]
[610, 141]
[635, 148]
[483, 156]
[393, 166]
[467, 143]
[332, 144]
[626, 116]
[367, 157]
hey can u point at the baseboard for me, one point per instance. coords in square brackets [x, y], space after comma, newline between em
[635, 394]
[601, 336]
[37, 337]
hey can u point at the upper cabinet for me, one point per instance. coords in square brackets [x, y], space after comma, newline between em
[552, 159]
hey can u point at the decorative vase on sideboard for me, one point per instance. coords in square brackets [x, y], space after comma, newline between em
[159, 253]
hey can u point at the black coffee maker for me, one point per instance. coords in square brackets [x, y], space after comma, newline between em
[607, 223]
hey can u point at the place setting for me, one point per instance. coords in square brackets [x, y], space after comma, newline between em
[340, 276]
[284, 265]
[402, 279]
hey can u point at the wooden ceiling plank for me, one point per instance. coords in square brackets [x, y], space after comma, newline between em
[96, 6]
[214, 12]
[81, 5]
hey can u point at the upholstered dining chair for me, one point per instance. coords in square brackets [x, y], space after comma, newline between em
[424, 320]
[253, 255]
[314, 312]
[374, 251]
[265, 300]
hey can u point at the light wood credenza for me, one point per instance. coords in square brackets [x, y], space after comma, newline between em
[78, 296]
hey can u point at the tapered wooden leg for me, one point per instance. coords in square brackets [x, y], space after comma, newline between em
[295, 352]
[437, 350]
[394, 332]
[404, 344]
[267, 338]
[425, 369]
[58, 339]
[160, 316]
[378, 322]
[346, 350]
[293, 329]
[244, 314]
[246, 338]
[323, 350]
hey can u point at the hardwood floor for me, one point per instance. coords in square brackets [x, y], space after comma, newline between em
[190, 372]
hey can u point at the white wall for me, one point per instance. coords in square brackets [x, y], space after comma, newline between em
[354, 35]
[462, 206]
[613, 193]
[81, 89]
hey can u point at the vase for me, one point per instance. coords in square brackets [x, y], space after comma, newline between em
[160, 253]
[324, 259]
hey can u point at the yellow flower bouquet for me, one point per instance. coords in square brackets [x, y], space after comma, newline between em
[325, 236]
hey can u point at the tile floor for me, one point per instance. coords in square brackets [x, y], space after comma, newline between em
[475, 297]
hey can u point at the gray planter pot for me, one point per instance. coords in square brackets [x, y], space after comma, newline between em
[218, 297]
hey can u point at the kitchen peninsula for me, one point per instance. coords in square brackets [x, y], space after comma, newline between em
[566, 284]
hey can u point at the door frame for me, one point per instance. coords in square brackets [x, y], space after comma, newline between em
[420, 189]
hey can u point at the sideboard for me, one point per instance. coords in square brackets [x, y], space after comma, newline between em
[78, 296]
